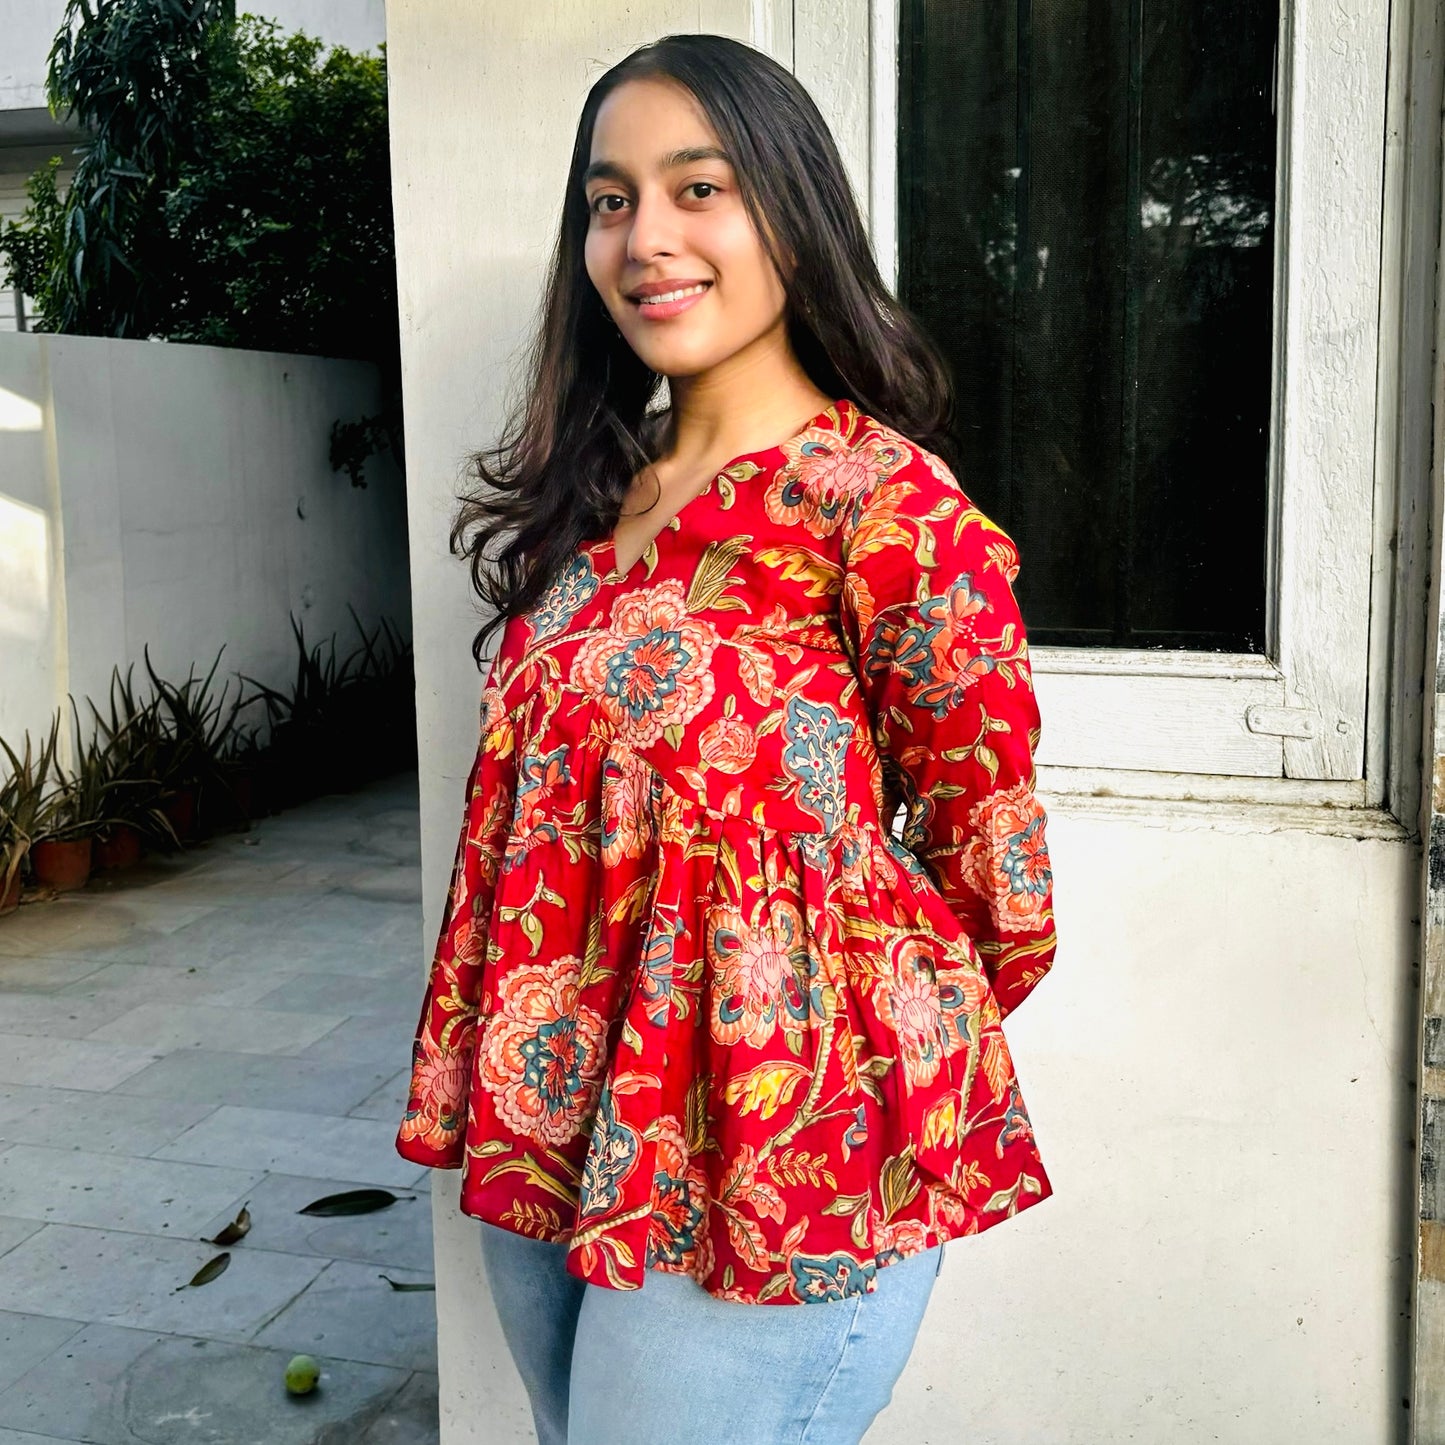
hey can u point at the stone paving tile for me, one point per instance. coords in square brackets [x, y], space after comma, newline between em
[389, 1101]
[48, 973]
[25, 1340]
[258, 931]
[69, 1063]
[115, 1191]
[391, 883]
[312, 1086]
[303, 935]
[294, 1143]
[126, 985]
[369, 1038]
[51, 1015]
[226, 1394]
[238, 944]
[108, 1277]
[351, 1312]
[109, 1123]
[410, 1419]
[72, 1394]
[169, 1026]
[400, 1234]
[393, 994]
[12, 1231]
[79, 925]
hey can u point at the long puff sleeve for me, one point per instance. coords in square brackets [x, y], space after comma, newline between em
[929, 613]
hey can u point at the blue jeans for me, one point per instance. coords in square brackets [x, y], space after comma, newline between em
[670, 1362]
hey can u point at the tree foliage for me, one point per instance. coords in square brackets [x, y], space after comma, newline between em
[233, 188]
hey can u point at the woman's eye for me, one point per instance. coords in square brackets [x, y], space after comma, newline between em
[706, 185]
[609, 196]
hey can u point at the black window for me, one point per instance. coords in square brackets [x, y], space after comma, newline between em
[1086, 227]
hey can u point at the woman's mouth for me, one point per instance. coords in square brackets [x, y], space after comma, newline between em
[670, 303]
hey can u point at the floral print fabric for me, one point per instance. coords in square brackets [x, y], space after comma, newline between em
[694, 1006]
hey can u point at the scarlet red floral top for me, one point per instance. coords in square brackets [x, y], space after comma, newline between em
[693, 1006]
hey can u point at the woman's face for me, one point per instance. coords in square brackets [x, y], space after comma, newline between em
[664, 207]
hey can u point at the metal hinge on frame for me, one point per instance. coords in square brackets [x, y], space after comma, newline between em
[1284, 722]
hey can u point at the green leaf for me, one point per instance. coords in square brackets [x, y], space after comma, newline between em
[405, 1285]
[353, 1201]
[212, 1268]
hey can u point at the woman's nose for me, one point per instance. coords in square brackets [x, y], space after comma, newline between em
[653, 230]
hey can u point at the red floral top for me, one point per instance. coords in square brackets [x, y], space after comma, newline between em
[694, 1007]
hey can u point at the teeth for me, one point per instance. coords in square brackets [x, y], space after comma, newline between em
[674, 295]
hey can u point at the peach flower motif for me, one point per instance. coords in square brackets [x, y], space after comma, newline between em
[909, 1006]
[651, 669]
[627, 822]
[543, 1052]
[822, 476]
[437, 1109]
[678, 1230]
[907, 1236]
[494, 710]
[754, 985]
[1006, 858]
[728, 744]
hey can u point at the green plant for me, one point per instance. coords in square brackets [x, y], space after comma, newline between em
[344, 719]
[80, 802]
[26, 801]
[199, 724]
[233, 188]
[131, 737]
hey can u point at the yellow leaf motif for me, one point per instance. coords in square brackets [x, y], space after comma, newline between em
[997, 1065]
[823, 579]
[940, 1123]
[767, 1087]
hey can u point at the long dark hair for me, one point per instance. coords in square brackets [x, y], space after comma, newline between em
[563, 467]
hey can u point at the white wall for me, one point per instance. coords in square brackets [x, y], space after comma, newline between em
[180, 496]
[1217, 1068]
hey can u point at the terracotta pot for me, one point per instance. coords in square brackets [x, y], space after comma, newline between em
[119, 848]
[11, 899]
[243, 789]
[61, 865]
[180, 809]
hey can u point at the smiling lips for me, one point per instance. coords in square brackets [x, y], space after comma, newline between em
[657, 304]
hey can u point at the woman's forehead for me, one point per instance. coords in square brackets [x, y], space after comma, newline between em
[651, 120]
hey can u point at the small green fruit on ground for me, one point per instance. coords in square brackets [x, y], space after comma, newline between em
[301, 1375]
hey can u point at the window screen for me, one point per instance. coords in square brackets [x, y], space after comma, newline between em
[1086, 228]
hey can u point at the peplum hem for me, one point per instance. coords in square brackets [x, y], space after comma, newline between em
[686, 1016]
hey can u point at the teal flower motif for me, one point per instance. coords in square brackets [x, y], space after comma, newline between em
[566, 597]
[817, 1280]
[817, 744]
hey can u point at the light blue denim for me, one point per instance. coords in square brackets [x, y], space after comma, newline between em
[671, 1363]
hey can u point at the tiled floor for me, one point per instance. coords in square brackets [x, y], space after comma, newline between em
[228, 1026]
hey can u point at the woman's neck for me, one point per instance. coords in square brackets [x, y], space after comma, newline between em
[747, 411]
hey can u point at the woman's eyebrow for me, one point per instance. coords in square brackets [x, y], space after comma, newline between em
[614, 171]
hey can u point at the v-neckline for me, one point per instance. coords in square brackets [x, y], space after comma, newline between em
[831, 419]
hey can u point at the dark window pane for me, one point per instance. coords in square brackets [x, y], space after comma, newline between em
[1087, 229]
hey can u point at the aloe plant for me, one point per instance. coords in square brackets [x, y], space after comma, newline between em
[199, 725]
[131, 737]
[26, 802]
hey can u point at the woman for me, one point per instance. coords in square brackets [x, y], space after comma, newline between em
[702, 1034]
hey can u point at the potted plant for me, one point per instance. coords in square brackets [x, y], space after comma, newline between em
[303, 723]
[195, 740]
[25, 803]
[240, 793]
[131, 737]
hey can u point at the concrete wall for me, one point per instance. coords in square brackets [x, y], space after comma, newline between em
[1218, 1067]
[180, 496]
